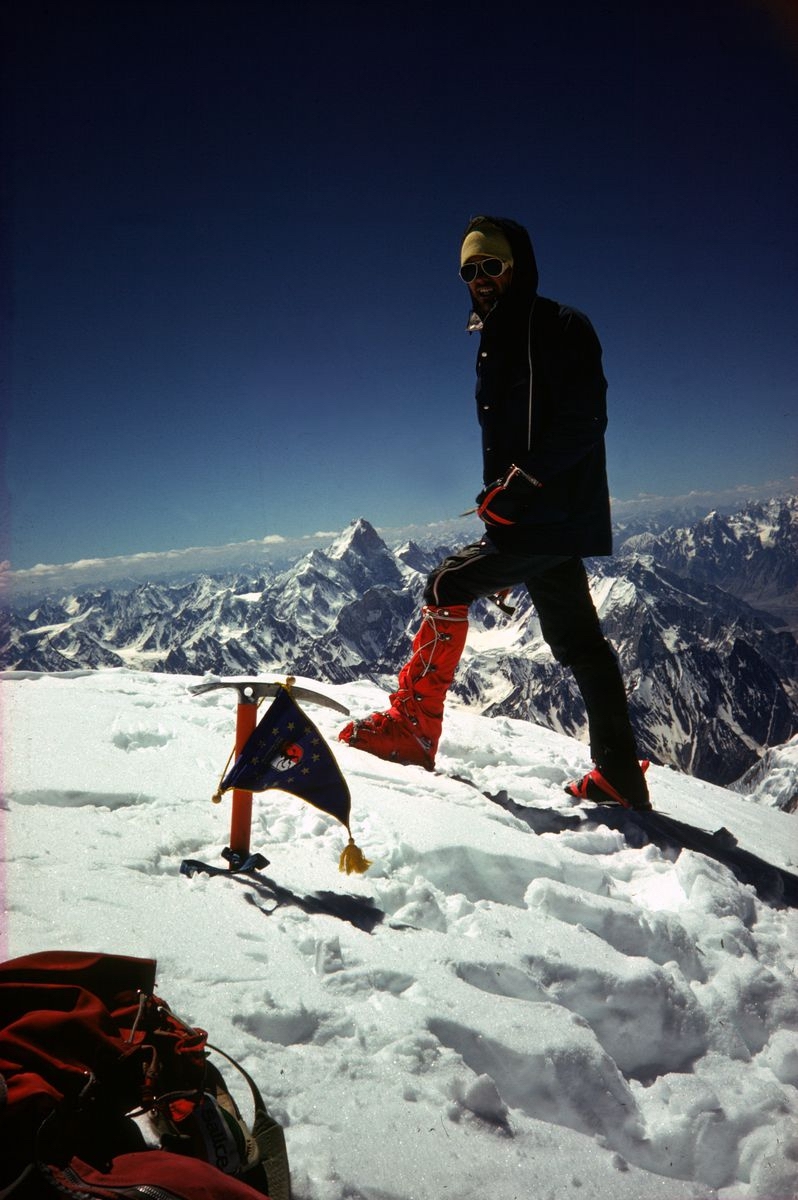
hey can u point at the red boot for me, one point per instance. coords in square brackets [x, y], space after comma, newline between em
[632, 792]
[410, 730]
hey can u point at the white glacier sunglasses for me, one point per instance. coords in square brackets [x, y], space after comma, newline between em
[492, 268]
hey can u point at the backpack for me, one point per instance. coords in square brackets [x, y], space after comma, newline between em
[106, 1093]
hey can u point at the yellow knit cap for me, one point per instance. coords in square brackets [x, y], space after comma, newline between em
[486, 239]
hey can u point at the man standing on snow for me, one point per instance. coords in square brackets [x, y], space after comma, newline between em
[541, 404]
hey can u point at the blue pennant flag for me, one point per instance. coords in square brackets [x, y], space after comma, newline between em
[286, 751]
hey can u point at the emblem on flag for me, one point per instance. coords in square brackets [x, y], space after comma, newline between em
[287, 757]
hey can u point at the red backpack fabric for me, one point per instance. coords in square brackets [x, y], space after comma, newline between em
[104, 1091]
[149, 1174]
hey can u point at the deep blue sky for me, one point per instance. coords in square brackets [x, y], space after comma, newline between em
[232, 251]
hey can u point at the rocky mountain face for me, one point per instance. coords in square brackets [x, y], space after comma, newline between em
[753, 554]
[711, 682]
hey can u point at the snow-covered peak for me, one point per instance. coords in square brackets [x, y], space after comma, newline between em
[359, 538]
[411, 554]
[752, 553]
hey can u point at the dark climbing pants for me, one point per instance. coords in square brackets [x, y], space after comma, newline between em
[559, 590]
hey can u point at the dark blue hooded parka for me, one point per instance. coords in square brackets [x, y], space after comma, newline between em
[541, 404]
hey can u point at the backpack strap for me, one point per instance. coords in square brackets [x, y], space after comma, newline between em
[268, 1135]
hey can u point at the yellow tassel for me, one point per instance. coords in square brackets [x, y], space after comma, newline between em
[216, 798]
[353, 859]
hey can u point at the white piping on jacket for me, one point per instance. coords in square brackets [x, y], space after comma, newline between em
[531, 375]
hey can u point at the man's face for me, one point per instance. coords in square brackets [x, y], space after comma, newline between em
[485, 291]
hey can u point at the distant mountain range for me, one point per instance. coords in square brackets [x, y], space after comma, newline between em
[274, 552]
[753, 554]
[697, 615]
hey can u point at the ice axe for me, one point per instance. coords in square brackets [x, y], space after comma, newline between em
[250, 693]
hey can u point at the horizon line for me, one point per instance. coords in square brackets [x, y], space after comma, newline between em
[644, 502]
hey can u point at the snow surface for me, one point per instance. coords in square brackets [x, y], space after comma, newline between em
[538, 1015]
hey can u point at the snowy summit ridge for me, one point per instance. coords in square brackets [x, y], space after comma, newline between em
[550, 1006]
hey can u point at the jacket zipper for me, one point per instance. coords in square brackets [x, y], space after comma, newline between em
[531, 376]
[150, 1193]
[146, 1190]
